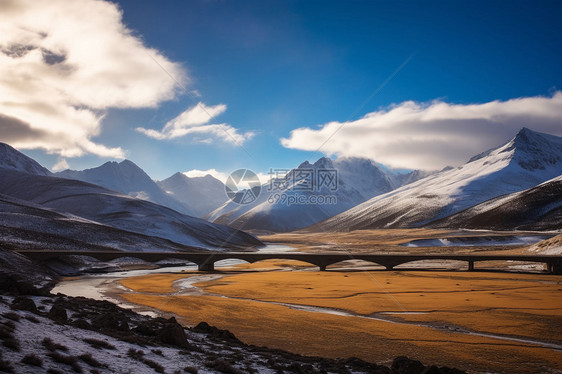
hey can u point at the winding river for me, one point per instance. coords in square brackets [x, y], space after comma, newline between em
[107, 287]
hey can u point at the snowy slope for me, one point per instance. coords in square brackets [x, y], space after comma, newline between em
[12, 159]
[120, 211]
[25, 225]
[358, 180]
[537, 208]
[552, 246]
[529, 159]
[201, 194]
[126, 177]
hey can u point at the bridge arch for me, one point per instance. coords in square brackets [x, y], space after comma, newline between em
[433, 262]
[212, 262]
[358, 261]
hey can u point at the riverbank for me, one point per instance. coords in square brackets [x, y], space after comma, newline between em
[479, 321]
[45, 333]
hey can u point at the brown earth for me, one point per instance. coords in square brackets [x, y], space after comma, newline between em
[513, 305]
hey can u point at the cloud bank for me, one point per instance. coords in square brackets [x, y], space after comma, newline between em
[194, 121]
[431, 135]
[62, 64]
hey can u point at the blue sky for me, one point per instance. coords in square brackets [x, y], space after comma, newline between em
[279, 66]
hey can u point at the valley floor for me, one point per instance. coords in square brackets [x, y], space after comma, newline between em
[479, 322]
[502, 322]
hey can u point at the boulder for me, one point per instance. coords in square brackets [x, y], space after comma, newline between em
[24, 303]
[404, 365]
[58, 313]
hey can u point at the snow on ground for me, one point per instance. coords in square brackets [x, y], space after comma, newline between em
[552, 246]
[34, 342]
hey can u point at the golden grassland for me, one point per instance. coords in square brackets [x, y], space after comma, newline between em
[520, 305]
[385, 240]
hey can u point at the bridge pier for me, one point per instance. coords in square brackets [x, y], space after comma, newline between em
[555, 268]
[470, 265]
[389, 267]
[322, 267]
[206, 266]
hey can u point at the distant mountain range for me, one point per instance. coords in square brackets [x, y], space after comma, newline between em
[357, 180]
[466, 196]
[200, 195]
[514, 186]
[126, 177]
[193, 196]
[69, 210]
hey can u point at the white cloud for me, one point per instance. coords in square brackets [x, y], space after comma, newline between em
[201, 173]
[63, 63]
[194, 121]
[431, 135]
[60, 165]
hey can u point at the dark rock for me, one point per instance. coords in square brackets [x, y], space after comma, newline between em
[124, 326]
[146, 329]
[442, 370]
[105, 321]
[11, 286]
[357, 363]
[404, 365]
[432, 370]
[205, 328]
[82, 324]
[24, 303]
[173, 333]
[58, 313]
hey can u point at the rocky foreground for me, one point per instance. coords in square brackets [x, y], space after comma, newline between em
[44, 333]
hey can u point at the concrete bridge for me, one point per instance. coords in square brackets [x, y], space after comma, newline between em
[206, 260]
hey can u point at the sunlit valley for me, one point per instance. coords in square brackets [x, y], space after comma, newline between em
[351, 210]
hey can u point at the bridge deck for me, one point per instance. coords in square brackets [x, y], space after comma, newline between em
[206, 260]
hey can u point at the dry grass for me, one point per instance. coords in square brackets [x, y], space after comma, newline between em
[517, 304]
[382, 241]
[495, 303]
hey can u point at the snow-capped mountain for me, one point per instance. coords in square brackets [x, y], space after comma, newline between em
[83, 202]
[537, 208]
[126, 177]
[292, 201]
[529, 159]
[25, 225]
[201, 194]
[12, 159]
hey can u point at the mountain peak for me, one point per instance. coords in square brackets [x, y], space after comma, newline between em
[530, 149]
[526, 135]
[534, 150]
[128, 163]
[12, 159]
[305, 165]
[324, 162]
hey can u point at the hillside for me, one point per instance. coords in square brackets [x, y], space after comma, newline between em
[527, 160]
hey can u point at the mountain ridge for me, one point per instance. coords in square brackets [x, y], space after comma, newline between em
[525, 161]
[128, 178]
[358, 180]
[93, 204]
[202, 194]
[12, 159]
